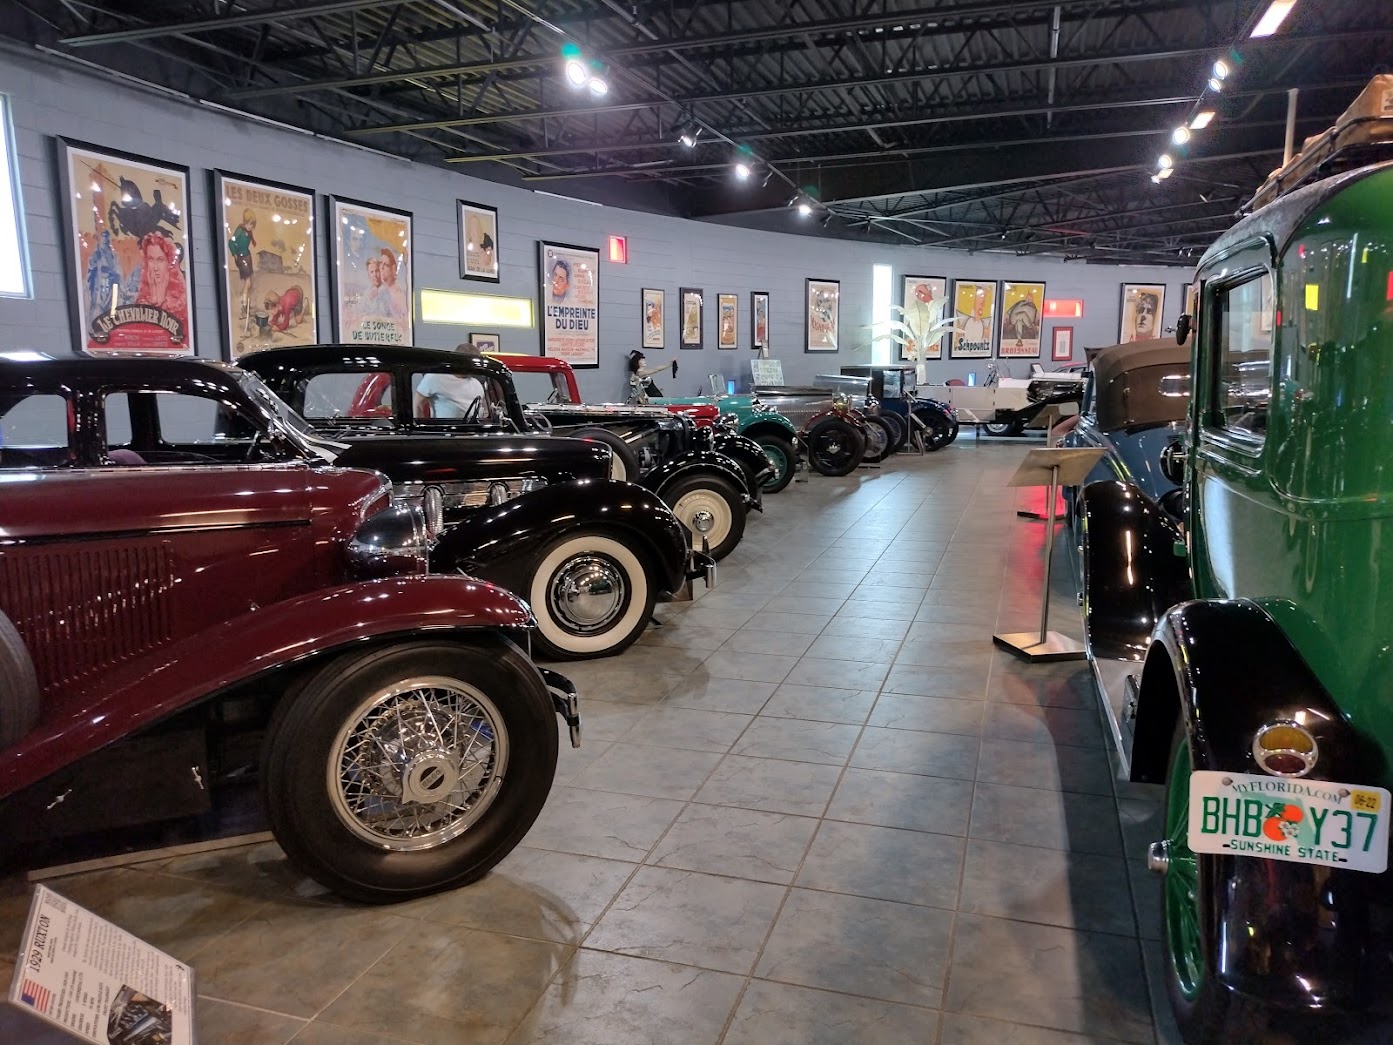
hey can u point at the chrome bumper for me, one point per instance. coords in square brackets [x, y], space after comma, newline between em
[565, 700]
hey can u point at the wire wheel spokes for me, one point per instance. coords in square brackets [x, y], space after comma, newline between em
[1180, 892]
[417, 763]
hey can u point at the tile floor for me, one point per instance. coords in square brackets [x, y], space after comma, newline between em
[814, 806]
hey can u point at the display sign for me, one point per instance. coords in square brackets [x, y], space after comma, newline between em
[1299, 821]
[767, 373]
[97, 982]
[570, 290]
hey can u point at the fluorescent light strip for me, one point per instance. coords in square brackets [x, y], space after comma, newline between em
[568, 199]
[1273, 18]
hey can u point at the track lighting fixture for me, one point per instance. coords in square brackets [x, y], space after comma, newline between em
[742, 170]
[580, 73]
[804, 209]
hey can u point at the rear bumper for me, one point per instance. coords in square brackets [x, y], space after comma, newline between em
[700, 566]
[565, 700]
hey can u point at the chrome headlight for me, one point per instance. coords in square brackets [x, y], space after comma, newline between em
[731, 421]
[396, 540]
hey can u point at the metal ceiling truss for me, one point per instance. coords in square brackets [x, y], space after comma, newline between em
[973, 124]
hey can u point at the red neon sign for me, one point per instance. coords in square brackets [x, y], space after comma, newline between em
[1063, 308]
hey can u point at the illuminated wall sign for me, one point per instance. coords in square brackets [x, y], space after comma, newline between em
[619, 250]
[485, 310]
[1063, 308]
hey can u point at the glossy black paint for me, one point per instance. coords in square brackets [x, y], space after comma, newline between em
[434, 458]
[1300, 937]
[700, 462]
[1134, 570]
[502, 544]
[750, 456]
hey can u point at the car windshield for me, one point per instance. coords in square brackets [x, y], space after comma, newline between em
[541, 387]
[297, 431]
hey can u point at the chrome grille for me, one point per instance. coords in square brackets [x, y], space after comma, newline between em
[83, 611]
[459, 496]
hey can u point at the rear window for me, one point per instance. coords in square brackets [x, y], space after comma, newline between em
[329, 397]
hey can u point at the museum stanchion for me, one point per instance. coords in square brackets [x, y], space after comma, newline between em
[1049, 467]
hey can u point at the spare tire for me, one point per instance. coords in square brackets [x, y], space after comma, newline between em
[19, 686]
[834, 446]
[625, 464]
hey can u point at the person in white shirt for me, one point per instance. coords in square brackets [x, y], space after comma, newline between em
[450, 395]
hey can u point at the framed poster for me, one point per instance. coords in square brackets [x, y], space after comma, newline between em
[478, 242]
[726, 319]
[759, 319]
[268, 291]
[485, 342]
[1143, 304]
[569, 277]
[370, 249]
[1062, 347]
[922, 301]
[823, 301]
[1022, 305]
[691, 298]
[974, 306]
[651, 319]
[128, 252]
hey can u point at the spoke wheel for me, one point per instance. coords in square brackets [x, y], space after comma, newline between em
[1180, 888]
[416, 764]
[781, 454]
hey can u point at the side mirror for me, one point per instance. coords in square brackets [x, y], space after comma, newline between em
[1173, 462]
[1183, 326]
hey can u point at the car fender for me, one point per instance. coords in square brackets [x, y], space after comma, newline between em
[1134, 569]
[747, 453]
[501, 544]
[695, 463]
[1295, 935]
[148, 689]
[764, 424]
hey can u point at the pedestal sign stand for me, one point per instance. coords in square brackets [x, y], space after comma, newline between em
[1049, 467]
[1051, 416]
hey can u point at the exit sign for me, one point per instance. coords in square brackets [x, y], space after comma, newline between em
[1063, 308]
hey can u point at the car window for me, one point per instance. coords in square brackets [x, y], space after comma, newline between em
[348, 394]
[198, 420]
[118, 420]
[34, 432]
[452, 397]
[540, 388]
[1243, 354]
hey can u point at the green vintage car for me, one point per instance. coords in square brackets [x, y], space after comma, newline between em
[765, 425]
[1245, 649]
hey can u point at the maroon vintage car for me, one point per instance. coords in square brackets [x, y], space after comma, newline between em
[189, 598]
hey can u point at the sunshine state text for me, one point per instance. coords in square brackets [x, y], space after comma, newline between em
[565, 317]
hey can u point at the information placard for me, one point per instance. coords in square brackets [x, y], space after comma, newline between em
[767, 372]
[98, 983]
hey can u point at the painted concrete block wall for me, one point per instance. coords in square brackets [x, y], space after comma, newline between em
[51, 97]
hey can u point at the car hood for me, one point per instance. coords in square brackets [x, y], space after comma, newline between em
[404, 458]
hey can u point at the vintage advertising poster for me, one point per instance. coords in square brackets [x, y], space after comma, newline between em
[922, 301]
[651, 320]
[99, 983]
[478, 242]
[128, 247]
[823, 302]
[725, 321]
[570, 306]
[759, 319]
[974, 304]
[1022, 305]
[1062, 350]
[371, 249]
[268, 291]
[691, 298]
[1143, 304]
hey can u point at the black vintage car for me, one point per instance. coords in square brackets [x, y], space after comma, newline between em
[538, 516]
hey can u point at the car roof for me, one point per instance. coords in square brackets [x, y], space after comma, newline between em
[1126, 384]
[523, 361]
[369, 358]
[111, 368]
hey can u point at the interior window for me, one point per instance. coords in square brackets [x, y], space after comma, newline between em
[330, 397]
[454, 397]
[1243, 328]
[34, 432]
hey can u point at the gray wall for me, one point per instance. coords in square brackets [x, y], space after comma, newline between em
[50, 97]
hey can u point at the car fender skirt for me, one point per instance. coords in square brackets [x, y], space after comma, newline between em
[501, 544]
[167, 680]
[707, 462]
[1295, 936]
[1132, 573]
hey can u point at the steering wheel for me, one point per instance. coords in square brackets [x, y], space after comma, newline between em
[540, 420]
[555, 396]
[472, 414]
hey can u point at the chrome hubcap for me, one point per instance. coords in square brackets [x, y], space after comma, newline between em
[417, 763]
[587, 593]
[706, 513]
[703, 521]
[1158, 857]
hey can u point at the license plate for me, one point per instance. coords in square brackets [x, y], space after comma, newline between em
[1300, 821]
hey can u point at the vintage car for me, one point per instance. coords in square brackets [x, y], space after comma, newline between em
[1255, 641]
[1010, 405]
[710, 477]
[1134, 407]
[833, 429]
[930, 424]
[752, 418]
[538, 516]
[191, 598]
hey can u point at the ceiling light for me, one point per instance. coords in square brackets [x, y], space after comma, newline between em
[1180, 135]
[1165, 173]
[804, 209]
[1273, 17]
[688, 135]
[1165, 162]
[1155, 179]
[598, 86]
[1202, 120]
[1216, 84]
[576, 72]
[742, 171]
[1221, 69]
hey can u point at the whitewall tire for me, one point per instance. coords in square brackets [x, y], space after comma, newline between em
[591, 595]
